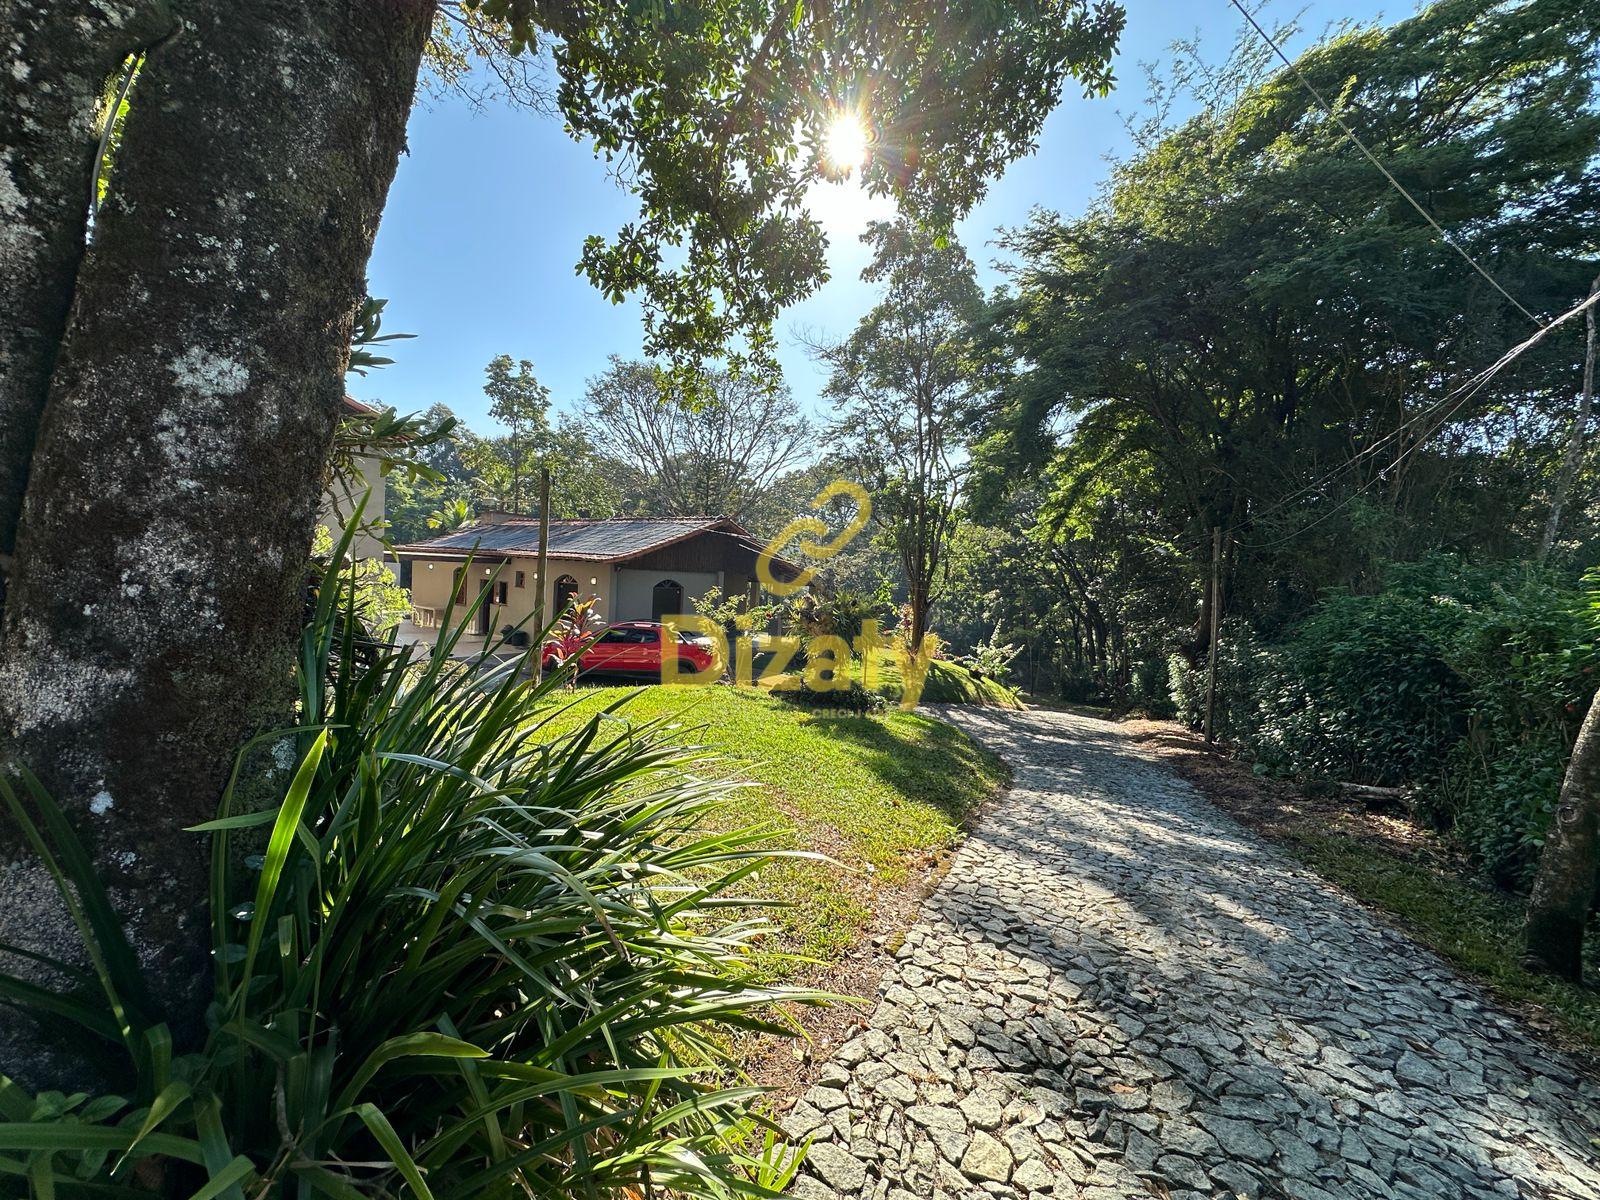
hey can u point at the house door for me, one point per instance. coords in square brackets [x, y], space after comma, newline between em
[566, 589]
[666, 597]
[480, 623]
[480, 619]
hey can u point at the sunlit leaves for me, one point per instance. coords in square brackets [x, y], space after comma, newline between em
[715, 114]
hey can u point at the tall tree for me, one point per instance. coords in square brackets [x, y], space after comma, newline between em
[50, 89]
[179, 387]
[184, 414]
[522, 404]
[899, 384]
[1253, 311]
[715, 451]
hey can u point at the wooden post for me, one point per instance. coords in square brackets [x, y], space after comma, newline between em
[539, 571]
[1216, 622]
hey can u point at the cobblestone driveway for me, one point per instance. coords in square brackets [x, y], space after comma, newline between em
[1118, 992]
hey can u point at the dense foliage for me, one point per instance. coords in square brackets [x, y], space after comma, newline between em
[473, 955]
[1251, 329]
[1464, 683]
[1253, 332]
[899, 384]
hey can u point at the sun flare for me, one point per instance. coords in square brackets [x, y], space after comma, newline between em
[844, 148]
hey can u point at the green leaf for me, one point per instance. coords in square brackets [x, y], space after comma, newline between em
[99, 1021]
[31, 1136]
[85, 899]
[420, 1045]
[284, 831]
[326, 1183]
[229, 1179]
[166, 1103]
[242, 821]
[380, 1128]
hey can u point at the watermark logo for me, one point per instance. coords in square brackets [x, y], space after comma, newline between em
[829, 658]
[817, 527]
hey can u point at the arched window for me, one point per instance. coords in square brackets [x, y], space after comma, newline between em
[666, 597]
[566, 589]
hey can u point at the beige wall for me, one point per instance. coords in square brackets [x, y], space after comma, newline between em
[336, 508]
[432, 579]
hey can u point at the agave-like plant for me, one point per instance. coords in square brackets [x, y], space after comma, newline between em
[467, 957]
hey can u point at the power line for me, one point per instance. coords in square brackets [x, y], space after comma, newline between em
[1461, 394]
[1373, 159]
[1467, 391]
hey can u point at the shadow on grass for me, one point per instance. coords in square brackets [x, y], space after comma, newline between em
[899, 747]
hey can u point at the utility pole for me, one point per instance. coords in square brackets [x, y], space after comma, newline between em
[1216, 623]
[539, 571]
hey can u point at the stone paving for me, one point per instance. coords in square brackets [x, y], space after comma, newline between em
[1119, 992]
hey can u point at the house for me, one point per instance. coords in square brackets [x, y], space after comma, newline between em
[639, 568]
[336, 506]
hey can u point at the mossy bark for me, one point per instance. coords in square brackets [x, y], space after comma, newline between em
[1564, 888]
[55, 57]
[155, 592]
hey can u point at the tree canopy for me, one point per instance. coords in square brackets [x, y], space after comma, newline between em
[1251, 328]
[715, 112]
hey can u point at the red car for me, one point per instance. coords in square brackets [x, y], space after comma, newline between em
[629, 648]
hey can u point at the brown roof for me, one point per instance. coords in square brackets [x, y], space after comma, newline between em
[614, 539]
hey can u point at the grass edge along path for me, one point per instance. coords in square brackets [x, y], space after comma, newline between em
[885, 796]
[1391, 864]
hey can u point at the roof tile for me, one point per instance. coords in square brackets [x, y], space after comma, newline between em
[602, 540]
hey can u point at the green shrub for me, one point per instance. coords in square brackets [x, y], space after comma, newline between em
[1079, 688]
[990, 660]
[1152, 688]
[1256, 704]
[1465, 682]
[1383, 705]
[841, 614]
[1528, 658]
[474, 958]
[854, 699]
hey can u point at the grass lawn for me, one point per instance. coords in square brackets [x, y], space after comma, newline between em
[882, 795]
[1390, 863]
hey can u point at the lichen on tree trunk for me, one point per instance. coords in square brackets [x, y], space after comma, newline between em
[55, 56]
[1564, 888]
[154, 596]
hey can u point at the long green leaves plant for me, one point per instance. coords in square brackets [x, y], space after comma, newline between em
[464, 957]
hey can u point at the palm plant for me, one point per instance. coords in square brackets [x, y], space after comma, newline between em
[464, 957]
[450, 516]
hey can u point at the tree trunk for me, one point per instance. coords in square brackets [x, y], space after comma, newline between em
[1564, 888]
[154, 602]
[918, 600]
[55, 57]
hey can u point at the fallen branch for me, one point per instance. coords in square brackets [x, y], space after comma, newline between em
[1373, 795]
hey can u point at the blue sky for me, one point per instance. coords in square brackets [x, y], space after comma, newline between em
[490, 208]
